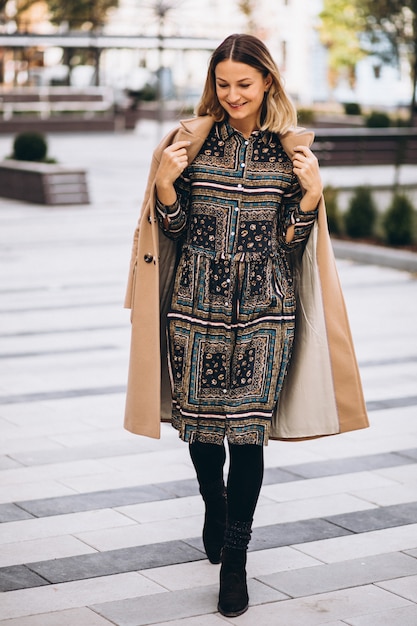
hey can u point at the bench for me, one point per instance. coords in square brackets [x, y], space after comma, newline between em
[48, 101]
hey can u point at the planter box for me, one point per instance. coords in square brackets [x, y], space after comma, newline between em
[42, 183]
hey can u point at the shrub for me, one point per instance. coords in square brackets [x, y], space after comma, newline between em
[361, 214]
[399, 221]
[378, 119]
[402, 123]
[148, 93]
[305, 116]
[352, 108]
[30, 146]
[332, 210]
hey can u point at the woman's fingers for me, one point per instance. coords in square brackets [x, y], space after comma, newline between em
[174, 160]
[306, 167]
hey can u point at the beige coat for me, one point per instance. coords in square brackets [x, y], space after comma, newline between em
[322, 393]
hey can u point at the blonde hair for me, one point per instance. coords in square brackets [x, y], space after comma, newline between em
[277, 113]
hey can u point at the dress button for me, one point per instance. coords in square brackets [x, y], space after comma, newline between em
[246, 143]
[242, 165]
[232, 233]
[239, 186]
[297, 219]
[224, 390]
[148, 258]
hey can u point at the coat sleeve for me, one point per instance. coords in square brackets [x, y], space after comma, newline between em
[146, 212]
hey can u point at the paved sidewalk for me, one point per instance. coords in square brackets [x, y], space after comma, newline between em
[101, 527]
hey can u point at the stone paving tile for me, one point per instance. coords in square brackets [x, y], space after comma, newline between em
[391, 403]
[274, 560]
[200, 620]
[277, 535]
[327, 485]
[387, 496]
[19, 577]
[116, 561]
[70, 617]
[412, 553]
[143, 534]
[362, 545]
[77, 594]
[411, 453]
[119, 480]
[10, 513]
[203, 573]
[404, 587]
[60, 471]
[42, 549]
[406, 616]
[273, 475]
[8, 463]
[70, 523]
[269, 512]
[90, 501]
[163, 510]
[180, 488]
[176, 605]
[349, 465]
[326, 608]
[160, 608]
[180, 576]
[47, 457]
[405, 475]
[375, 519]
[324, 578]
[31, 490]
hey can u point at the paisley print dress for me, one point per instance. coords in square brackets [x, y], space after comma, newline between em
[232, 318]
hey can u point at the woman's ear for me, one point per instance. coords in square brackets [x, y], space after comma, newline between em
[268, 82]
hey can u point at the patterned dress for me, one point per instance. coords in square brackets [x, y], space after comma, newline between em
[232, 317]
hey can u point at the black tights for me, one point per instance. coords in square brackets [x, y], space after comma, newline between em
[245, 474]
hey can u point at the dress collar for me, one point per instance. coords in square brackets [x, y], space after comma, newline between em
[224, 130]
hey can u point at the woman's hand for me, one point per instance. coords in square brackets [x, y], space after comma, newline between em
[306, 168]
[173, 162]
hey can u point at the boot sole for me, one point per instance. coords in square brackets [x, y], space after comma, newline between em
[232, 613]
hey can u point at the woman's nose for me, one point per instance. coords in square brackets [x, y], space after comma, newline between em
[233, 94]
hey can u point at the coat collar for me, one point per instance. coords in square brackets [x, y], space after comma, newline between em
[296, 137]
[196, 129]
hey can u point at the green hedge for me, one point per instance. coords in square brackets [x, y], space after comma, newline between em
[399, 221]
[360, 217]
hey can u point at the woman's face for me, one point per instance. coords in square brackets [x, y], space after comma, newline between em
[240, 89]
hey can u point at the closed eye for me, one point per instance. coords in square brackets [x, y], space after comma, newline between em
[243, 86]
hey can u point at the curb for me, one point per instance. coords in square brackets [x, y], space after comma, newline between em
[404, 260]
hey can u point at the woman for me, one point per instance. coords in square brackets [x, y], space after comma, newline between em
[237, 211]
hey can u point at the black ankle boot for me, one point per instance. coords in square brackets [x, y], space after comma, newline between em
[214, 497]
[233, 595]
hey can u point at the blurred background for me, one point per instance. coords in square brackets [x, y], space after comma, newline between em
[94, 58]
